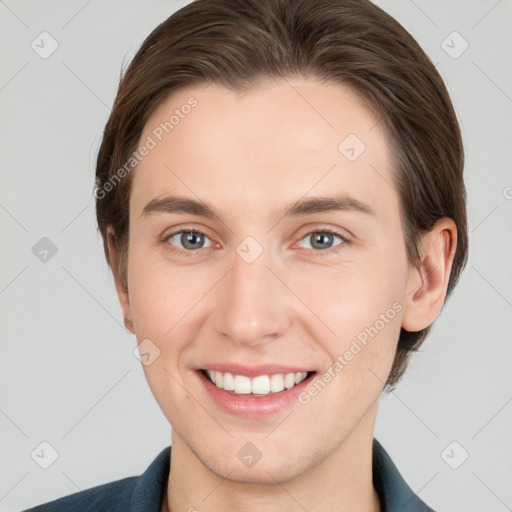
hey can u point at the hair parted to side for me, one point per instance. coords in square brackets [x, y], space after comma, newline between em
[240, 43]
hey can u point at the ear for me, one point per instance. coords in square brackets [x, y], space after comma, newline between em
[427, 284]
[121, 288]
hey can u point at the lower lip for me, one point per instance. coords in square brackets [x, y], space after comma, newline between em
[252, 407]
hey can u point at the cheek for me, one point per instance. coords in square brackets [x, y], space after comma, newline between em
[160, 295]
[360, 308]
[354, 296]
[161, 301]
[367, 326]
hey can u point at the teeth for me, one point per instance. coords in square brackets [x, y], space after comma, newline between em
[260, 385]
[242, 385]
[277, 383]
[219, 379]
[289, 380]
[229, 382]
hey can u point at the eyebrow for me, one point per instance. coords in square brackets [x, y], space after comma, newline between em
[310, 206]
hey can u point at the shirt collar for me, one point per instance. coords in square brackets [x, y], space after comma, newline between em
[394, 493]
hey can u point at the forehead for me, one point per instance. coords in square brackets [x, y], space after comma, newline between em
[269, 145]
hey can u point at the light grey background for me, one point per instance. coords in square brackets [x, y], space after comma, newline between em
[68, 375]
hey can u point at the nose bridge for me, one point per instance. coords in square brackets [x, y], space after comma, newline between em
[252, 303]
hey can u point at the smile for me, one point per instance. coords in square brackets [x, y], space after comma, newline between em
[253, 392]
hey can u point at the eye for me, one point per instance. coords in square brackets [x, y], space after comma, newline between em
[322, 240]
[190, 240]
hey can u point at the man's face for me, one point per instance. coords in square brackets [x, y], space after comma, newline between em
[260, 293]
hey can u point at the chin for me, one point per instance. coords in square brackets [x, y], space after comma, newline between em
[263, 472]
[263, 468]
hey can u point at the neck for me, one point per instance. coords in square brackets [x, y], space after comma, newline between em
[341, 482]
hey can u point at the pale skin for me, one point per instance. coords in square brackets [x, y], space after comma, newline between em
[248, 156]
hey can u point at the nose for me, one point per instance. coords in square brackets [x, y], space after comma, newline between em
[253, 306]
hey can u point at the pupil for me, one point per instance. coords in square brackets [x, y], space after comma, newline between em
[320, 237]
[191, 238]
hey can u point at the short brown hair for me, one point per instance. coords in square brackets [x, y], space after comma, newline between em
[237, 43]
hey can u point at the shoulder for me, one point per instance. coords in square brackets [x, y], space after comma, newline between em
[113, 496]
[142, 493]
[394, 492]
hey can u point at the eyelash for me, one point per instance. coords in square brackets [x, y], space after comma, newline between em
[193, 253]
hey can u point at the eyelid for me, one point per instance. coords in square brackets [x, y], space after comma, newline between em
[324, 228]
[195, 228]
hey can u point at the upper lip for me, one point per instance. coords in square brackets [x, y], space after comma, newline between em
[255, 370]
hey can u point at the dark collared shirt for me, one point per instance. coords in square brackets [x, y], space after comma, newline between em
[145, 493]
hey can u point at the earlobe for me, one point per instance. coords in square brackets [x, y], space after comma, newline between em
[121, 288]
[428, 283]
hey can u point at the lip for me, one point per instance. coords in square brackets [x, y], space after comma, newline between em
[251, 407]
